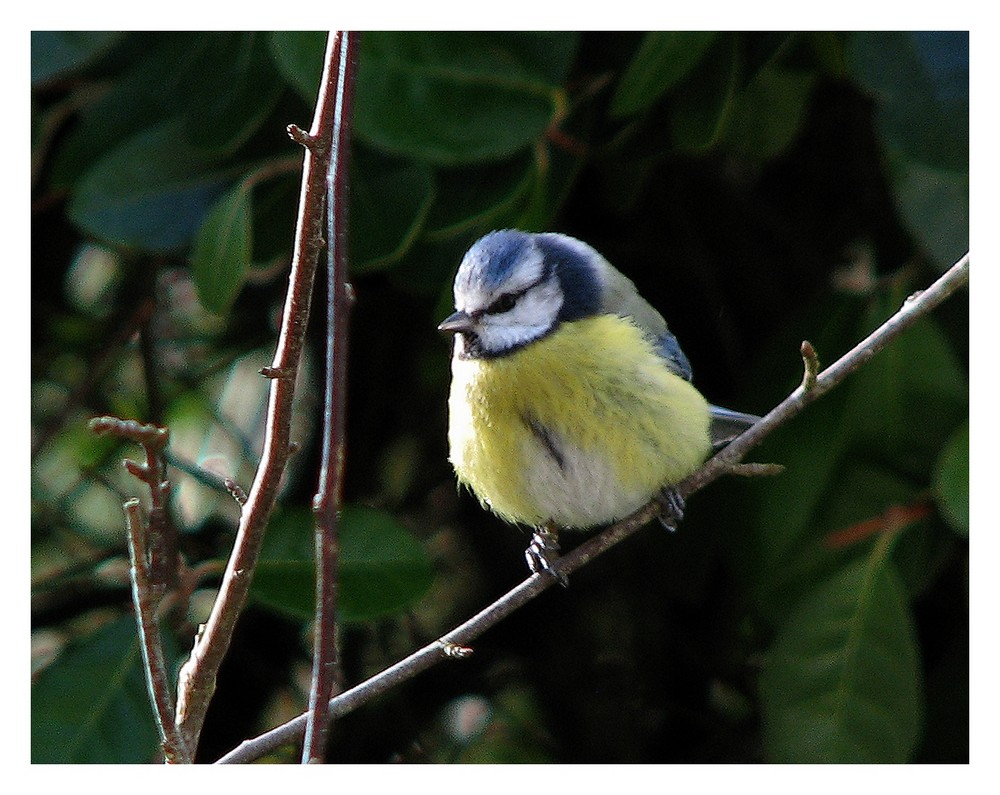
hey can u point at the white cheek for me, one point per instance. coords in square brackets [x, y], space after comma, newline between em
[497, 337]
[532, 317]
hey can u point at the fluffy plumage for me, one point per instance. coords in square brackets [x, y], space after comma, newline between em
[570, 401]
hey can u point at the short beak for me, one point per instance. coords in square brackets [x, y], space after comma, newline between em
[459, 321]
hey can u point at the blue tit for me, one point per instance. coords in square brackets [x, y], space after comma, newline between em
[571, 404]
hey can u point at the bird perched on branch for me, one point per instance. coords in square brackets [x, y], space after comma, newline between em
[571, 403]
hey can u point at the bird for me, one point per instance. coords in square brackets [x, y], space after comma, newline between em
[571, 404]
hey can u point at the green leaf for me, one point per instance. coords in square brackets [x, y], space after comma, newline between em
[127, 107]
[56, 53]
[864, 449]
[457, 97]
[383, 568]
[151, 192]
[222, 250]
[390, 199]
[476, 197]
[951, 481]
[920, 83]
[663, 59]
[842, 680]
[299, 58]
[934, 204]
[91, 704]
[235, 90]
[784, 508]
[769, 113]
[917, 382]
[705, 101]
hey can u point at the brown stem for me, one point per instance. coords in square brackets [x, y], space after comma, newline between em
[342, 58]
[198, 675]
[146, 597]
[154, 568]
[162, 543]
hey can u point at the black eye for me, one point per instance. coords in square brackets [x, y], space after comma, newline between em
[503, 304]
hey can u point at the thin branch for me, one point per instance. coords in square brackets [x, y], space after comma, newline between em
[162, 542]
[342, 58]
[145, 597]
[915, 307]
[198, 675]
[810, 365]
[154, 569]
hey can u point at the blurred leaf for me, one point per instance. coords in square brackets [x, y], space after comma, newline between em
[222, 250]
[124, 106]
[275, 202]
[299, 57]
[827, 48]
[704, 101]
[663, 59]
[842, 680]
[476, 197]
[920, 82]
[934, 204]
[151, 192]
[505, 730]
[769, 113]
[452, 97]
[811, 447]
[862, 450]
[383, 568]
[917, 382]
[54, 53]
[390, 199]
[91, 704]
[237, 89]
[951, 481]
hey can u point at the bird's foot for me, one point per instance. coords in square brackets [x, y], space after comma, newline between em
[671, 508]
[543, 552]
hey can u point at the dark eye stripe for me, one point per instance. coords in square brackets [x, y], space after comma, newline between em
[503, 304]
[507, 301]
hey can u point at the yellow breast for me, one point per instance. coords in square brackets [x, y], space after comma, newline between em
[581, 427]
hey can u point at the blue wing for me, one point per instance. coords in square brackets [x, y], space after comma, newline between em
[670, 349]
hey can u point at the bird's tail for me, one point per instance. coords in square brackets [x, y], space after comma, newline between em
[727, 425]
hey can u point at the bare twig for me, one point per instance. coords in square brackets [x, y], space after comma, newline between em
[145, 597]
[154, 568]
[810, 365]
[162, 542]
[198, 676]
[916, 306]
[341, 58]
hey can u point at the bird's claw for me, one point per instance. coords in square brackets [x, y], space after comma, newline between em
[543, 552]
[671, 508]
